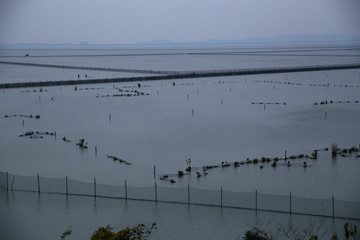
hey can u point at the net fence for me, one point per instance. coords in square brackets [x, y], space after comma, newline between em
[187, 195]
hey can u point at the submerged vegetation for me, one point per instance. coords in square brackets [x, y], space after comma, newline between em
[310, 232]
[138, 232]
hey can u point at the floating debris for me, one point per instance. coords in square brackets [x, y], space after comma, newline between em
[276, 161]
[84, 89]
[40, 90]
[222, 82]
[339, 85]
[124, 95]
[269, 103]
[225, 164]
[188, 163]
[137, 86]
[37, 134]
[278, 82]
[165, 177]
[333, 102]
[344, 152]
[119, 159]
[37, 116]
[82, 144]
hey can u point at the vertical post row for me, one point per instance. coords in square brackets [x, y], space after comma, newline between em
[95, 187]
[67, 188]
[256, 200]
[125, 190]
[38, 182]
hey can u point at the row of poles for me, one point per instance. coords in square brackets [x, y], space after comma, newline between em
[156, 193]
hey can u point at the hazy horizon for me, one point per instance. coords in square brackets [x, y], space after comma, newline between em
[129, 22]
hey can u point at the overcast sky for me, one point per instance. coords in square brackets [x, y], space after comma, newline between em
[130, 21]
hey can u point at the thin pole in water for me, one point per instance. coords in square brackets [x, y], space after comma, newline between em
[7, 181]
[333, 207]
[38, 182]
[95, 187]
[256, 200]
[109, 117]
[188, 194]
[155, 192]
[221, 195]
[12, 183]
[290, 203]
[95, 150]
[66, 184]
[125, 190]
[23, 123]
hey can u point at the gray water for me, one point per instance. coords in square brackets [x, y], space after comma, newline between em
[209, 120]
[29, 216]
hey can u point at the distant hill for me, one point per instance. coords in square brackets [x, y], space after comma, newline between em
[283, 39]
[261, 40]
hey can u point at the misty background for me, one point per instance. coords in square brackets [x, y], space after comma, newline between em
[132, 21]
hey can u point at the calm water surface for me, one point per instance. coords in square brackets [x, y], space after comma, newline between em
[209, 120]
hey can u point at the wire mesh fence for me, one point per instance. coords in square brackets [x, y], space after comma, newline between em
[221, 198]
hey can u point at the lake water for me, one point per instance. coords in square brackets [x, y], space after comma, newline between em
[210, 120]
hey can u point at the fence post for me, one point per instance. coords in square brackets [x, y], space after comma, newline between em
[67, 189]
[221, 197]
[333, 207]
[290, 203]
[125, 190]
[255, 200]
[95, 187]
[38, 182]
[188, 194]
[155, 192]
[7, 181]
